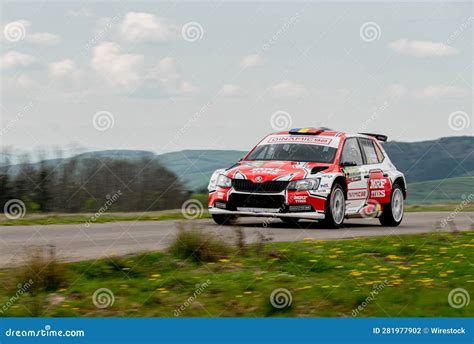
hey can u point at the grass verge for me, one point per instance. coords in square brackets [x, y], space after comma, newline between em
[413, 276]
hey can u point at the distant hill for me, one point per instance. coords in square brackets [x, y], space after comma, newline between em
[436, 159]
[423, 161]
[451, 190]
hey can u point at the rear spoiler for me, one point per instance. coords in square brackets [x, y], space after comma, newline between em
[379, 137]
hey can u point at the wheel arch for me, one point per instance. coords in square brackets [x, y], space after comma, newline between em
[401, 181]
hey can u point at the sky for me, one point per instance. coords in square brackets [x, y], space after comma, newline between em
[169, 76]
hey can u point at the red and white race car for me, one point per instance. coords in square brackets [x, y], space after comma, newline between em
[311, 173]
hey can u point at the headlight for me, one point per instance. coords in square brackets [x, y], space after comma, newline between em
[224, 181]
[304, 184]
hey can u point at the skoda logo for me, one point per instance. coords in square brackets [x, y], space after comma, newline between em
[258, 178]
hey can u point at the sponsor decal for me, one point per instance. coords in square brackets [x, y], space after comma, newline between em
[300, 139]
[353, 179]
[300, 199]
[377, 193]
[267, 170]
[220, 195]
[324, 186]
[355, 194]
[377, 183]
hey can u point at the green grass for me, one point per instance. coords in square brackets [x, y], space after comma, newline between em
[325, 278]
[450, 190]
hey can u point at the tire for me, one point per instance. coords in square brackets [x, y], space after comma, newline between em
[335, 207]
[392, 214]
[290, 220]
[225, 220]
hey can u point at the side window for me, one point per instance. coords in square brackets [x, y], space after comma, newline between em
[369, 151]
[380, 155]
[351, 152]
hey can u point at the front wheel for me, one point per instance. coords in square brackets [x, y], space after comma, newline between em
[335, 207]
[393, 212]
[225, 220]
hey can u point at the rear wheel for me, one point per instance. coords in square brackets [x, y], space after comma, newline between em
[393, 212]
[335, 207]
[224, 219]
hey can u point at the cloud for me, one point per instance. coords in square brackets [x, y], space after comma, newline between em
[63, 69]
[12, 59]
[146, 27]
[251, 61]
[231, 90]
[124, 71]
[165, 78]
[441, 91]
[422, 48]
[428, 92]
[290, 89]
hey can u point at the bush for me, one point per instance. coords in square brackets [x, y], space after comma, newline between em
[198, 246]
[44, 270]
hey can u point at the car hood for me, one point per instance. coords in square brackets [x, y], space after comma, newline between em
[262, 171]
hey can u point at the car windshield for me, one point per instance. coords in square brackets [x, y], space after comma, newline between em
[293, 152]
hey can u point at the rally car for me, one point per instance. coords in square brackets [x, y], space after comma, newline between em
[311, 173]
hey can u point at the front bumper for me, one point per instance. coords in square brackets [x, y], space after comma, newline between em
[313, 215]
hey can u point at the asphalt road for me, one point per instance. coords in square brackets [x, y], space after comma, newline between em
[78, 242]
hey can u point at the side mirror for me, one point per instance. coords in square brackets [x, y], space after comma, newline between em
[348, 163]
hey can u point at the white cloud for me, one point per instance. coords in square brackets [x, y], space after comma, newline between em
[43, 38]
[251, 61]
[441, 91]
[396, 90]
[146, 27]
[63, 69]
[164, 71]
[12, 59]
[124, 71]
[188, 88]
[290, 89]
[422, 48]
[231, 90]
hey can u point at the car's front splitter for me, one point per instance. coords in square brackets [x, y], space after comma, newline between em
[300, 215]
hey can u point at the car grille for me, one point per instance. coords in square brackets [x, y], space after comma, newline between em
[245, 185]
[255, 201]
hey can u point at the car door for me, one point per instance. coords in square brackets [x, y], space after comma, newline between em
[352, 163]
[379, 185]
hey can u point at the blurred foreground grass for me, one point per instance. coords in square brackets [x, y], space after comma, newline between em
[199, 277]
